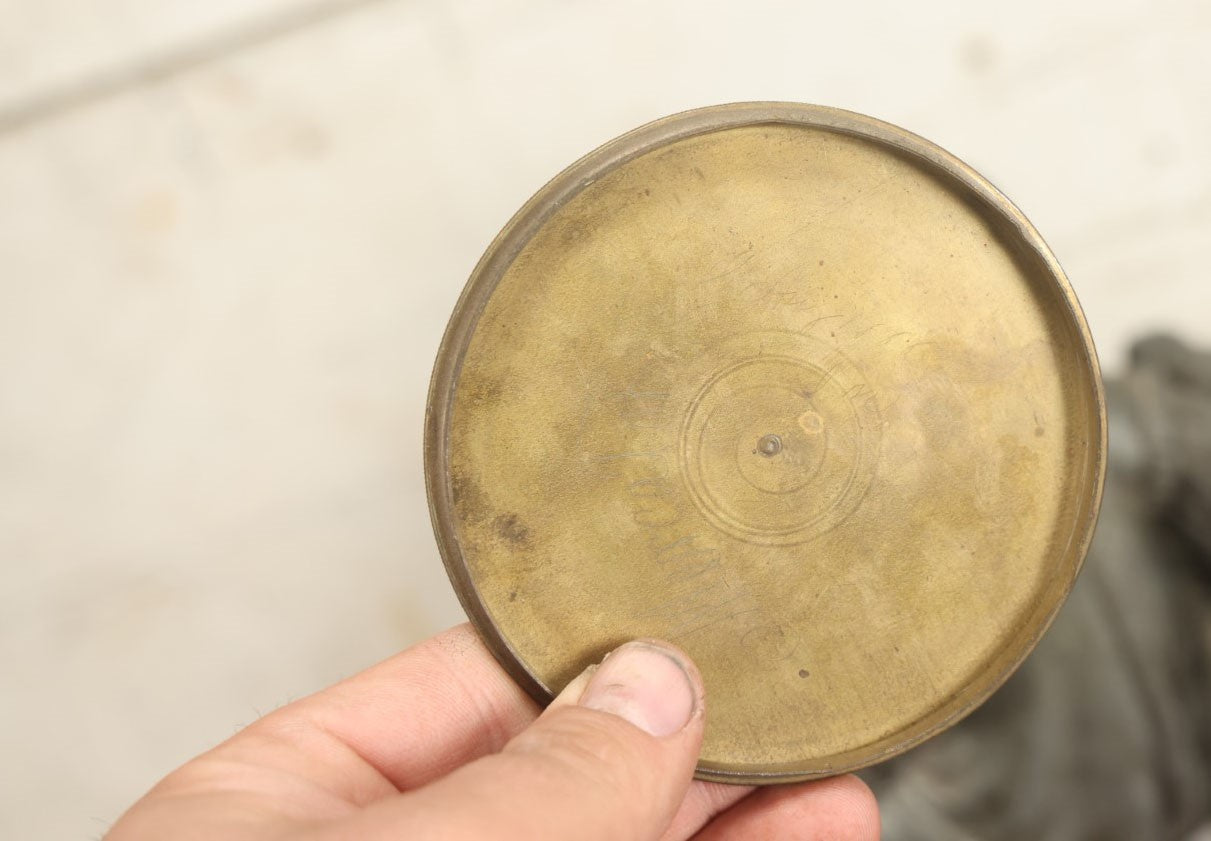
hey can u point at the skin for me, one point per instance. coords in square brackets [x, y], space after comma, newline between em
[439, 743]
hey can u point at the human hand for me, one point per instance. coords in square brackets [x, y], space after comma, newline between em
[439, 743]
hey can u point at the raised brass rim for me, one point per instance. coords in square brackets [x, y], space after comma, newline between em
[563, 187]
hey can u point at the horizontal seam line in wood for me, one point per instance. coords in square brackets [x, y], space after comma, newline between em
[104, 84]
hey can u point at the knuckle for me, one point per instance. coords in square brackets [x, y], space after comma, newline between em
[596, 749]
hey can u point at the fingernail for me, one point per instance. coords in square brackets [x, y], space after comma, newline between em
[646, 684]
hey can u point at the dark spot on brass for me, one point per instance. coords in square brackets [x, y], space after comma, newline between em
[486, 392]
[513, 595]
[804, 673]
[1038, 432]
[512, 529]
[467, 498]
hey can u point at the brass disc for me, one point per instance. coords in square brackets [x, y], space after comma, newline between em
[791, 388]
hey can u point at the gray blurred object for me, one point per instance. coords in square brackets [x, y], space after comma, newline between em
[1105, 732]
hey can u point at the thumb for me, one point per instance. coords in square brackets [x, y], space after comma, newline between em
[611, 758]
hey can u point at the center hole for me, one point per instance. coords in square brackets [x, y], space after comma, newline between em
[769, 445]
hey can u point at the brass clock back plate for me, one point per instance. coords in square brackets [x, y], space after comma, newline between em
[791, 388]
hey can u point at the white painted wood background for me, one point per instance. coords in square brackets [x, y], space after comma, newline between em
[231, 234]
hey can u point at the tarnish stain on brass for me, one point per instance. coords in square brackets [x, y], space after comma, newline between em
[512, 530]
[791, 388]
[811, 422]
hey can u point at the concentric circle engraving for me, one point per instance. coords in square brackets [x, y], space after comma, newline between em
[781, 442]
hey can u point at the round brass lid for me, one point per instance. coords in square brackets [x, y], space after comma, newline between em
[791, 388]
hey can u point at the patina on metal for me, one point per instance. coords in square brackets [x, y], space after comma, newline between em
[791, 388]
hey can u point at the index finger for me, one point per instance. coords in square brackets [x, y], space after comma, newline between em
[424, 712]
